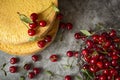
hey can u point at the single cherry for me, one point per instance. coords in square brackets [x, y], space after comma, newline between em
[36, 71]
[69, 26]
[13, 60]
[41, 43]
[48, 38]
[13, 69]
[62, 25]
[68, 77]
[27, 66]
[69, 53]
[31, 75]
[32, 25]
[54, 58]
[76, 54]
[77, 35]
[34, 16]
[59, 16]
[35, 58]
[42, 23]
[31, 32]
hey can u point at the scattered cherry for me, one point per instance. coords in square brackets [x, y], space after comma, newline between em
[77, 36]
[41, 43]
[69, 53]
[36, 71]
[27, 66]
[69, 26]
[62, 25]
[35, 58]
[31, 32]
[31, 75]
[13, 69]
[68, 77]
[54, 58]
[42, 23]
[13, 60]
[76, 54]
[34, 16]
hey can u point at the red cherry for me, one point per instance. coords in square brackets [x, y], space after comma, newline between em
[69, 26]
[114, 57]
[112, 33]
[114, 62]
[87, 58]
[62, 25]
[113, 72]
[107, 64]
[13, 60]
[42, 23]
[76, 54]
[106, 72]
[32, 25]
[35, 58]
[93, 68]
[48, 38]
[54, 58]
[13, 69]
[34, 16]
[41, 43]
[31, 32]
[36, 71]
[68, 77]
[100, 64]
[89, 43]
[31, 75]
[59, 16]
[77, 35]
[85, 52]
[69, 53]
[118, 78]
[27, 66]
[86, 66]
[109, 77]
[102, 77]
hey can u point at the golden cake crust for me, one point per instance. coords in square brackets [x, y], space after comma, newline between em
[28, 48]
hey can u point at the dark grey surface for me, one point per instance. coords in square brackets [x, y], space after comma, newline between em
[84, 14]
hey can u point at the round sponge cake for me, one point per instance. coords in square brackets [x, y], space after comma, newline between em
[12, 30]
[28, 48]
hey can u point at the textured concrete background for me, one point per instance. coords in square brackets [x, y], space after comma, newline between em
[84, 14]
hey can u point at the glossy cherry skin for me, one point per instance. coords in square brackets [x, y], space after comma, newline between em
[13, 60]
[13, 69]
[41, 43]
[68, 77]
[54, 58]
[34, 16]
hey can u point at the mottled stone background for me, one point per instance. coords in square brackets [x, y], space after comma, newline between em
[84, 14]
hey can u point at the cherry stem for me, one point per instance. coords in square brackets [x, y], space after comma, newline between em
[61, 36]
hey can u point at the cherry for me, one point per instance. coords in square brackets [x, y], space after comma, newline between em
[13, 69]
[42, 23]
[89, 43]
[100, 64]
[48, 38]
[27, 66]
[77, 35]
[114, 57]
[32, 25]
[93, 68]
[95, 37]
[54, 58]
[85, 52]
[87, 58]
[114, 62]
[62, 25]
[69, 26]
[102, 77]
[36, 71]
[13, 60]
[113, 72]
[101, 57]
[112, 33]
[31, 32]
[109, 77]
[31, 75]
[118, 78]
[93, 61]
[41, 43]
[106, 72]
[35, 58]
[68, 77]
[34, 16]
[76, 54]
[69, 53]
[107, 64]
[59, 16]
